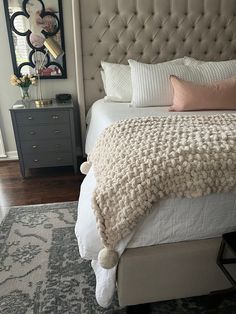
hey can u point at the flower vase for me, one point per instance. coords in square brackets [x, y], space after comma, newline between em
[25, 95]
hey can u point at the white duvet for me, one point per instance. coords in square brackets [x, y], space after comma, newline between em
[171, 220]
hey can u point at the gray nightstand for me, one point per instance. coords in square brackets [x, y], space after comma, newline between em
[45, 137]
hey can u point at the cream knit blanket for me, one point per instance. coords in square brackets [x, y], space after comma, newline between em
[142, 160]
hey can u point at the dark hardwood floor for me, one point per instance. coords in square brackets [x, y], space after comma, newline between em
[47, 185]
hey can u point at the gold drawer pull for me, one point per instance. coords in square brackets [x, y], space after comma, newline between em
[30, 118]
[32, 132]
[36, 160]
[55, 116]
[34, 146]
[57, 131]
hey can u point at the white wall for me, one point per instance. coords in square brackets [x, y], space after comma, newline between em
[9, 94]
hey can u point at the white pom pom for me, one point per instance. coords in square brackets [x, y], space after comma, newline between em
[108, 258]
[85, 167]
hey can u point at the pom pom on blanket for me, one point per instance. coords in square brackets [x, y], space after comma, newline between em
[85, 167]
[108, 258]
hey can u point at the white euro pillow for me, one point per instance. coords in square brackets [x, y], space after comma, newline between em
[215, 71]
[103, 80]
[117, 80]
[192, 61]
[212, 70]
[151, 82]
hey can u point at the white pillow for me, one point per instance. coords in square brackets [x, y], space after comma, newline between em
[117, 80]
[192, 62]
[216, 71]
[212, 71]
[103, 80]
[151, 82]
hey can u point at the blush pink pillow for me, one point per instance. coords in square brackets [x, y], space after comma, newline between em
[190, 96]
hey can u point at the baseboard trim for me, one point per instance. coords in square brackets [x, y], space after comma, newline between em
[11, 155]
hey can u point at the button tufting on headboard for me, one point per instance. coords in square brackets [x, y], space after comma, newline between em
[153, 31]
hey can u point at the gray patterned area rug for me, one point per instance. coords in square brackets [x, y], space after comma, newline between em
[41, 271]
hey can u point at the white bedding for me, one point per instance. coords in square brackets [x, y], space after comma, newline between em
[171, 220]
[102, 114]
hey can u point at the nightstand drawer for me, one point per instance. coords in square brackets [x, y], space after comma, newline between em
[59, 145]
[34, 117]
[48, 160]
[44, 132]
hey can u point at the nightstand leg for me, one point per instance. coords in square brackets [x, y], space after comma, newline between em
[22, 169]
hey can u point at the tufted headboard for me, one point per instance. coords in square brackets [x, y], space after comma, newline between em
[150, 31]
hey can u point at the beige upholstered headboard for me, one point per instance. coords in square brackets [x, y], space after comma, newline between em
[150, 31]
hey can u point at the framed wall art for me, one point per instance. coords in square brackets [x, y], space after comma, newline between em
[29, 24]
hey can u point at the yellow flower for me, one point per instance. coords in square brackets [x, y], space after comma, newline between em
[13, 83]
[13, 80]
[13, 77]
[25, 80]
[33, 80]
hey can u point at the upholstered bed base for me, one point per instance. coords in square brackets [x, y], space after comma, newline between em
[169, 271]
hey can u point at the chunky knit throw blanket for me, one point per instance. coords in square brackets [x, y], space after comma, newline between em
[142, 160]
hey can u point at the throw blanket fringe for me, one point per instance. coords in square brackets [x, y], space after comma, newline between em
[139, 161]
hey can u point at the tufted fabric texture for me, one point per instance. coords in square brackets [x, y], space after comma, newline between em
[153, 31]
[139, 161]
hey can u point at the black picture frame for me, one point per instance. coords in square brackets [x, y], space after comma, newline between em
[10, 28]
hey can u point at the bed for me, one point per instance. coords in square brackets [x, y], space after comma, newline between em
[168, 268]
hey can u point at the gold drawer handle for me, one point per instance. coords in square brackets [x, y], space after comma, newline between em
[57, 131]
[30, 118]
[32, 132]
[36, 160]
[34, 146]
[55, 117]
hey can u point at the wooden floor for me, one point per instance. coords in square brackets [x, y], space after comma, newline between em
[46, 185]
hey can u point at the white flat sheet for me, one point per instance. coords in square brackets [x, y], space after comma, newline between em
[171, 220]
